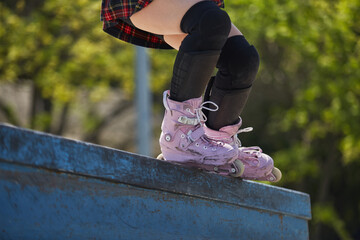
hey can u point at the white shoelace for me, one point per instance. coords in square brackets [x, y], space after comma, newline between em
[237, 140]
[200, 115]
[198, 111]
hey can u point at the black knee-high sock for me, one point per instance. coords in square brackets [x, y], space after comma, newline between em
[238, 65]
[207, 27]
[231, 104]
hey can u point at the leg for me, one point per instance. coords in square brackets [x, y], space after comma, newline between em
[238, 65]
[258, 165]
[202, 27]
[234, 79]
[207, 28]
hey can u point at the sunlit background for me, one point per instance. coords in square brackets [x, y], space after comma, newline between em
[60, 73]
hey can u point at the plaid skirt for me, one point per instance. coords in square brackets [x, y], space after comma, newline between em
[115, 15]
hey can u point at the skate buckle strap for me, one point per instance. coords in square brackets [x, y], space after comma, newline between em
[196, 134]
[188, 121]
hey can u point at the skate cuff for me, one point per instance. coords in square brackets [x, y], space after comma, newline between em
[216, 135]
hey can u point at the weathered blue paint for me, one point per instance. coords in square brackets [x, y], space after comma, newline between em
[48, 205]
[51, 186]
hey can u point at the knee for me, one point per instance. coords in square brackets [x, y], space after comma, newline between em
[215, 23]
[238, 64]
[206, 22]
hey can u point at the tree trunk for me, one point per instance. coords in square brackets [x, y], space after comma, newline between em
[94, 135]
[63, 117]
[40, 106]
[328, 169]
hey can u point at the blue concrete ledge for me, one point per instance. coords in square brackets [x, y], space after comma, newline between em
[57, 188]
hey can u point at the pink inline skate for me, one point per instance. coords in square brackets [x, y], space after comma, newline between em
[258, 165]
[183, 139]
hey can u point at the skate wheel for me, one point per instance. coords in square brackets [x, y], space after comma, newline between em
[277, 173]
[160, 157]
[240, 167]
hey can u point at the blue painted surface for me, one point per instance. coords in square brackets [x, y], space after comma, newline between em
[51, 186]
[43, 150]
[40, 204]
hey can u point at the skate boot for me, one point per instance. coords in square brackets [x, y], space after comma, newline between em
[183, 139]
[258, 165]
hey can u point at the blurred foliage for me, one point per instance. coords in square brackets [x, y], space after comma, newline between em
[305, 105]
[310, 72]
[56, 44]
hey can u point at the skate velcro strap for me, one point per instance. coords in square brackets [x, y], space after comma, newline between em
[195, 135]
[188, 121]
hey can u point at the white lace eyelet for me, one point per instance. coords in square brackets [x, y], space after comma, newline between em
[205, 147]
[188, 109]
[213, 149]
[182, 136]
[167, 138]
[197, 144]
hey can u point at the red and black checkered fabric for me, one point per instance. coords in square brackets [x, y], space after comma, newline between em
[114, 14]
